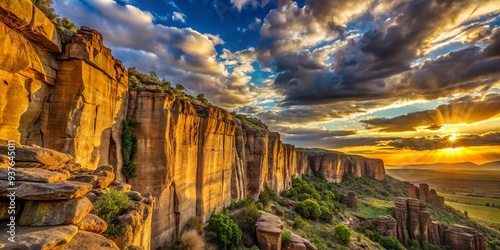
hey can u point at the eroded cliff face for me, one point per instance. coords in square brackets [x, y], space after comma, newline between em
[88, 103]
[196, 159]
[27, 69]
[72, 99]
[332, 166]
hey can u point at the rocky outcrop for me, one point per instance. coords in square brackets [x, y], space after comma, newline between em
[88, 103]
[413, 220]
[351, 199]
[422, 192]
[72, 101]
[269, 229]
[298, 243]
[332, 166]
[54, 213]
[462, 237]
[28, 69]
[386, 225]
[269, 235]
[414, 223]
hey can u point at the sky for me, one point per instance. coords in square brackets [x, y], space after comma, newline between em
[408, 81]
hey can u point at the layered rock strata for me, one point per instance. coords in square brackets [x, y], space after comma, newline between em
[414, 223]
[52, 208]
[422, 192]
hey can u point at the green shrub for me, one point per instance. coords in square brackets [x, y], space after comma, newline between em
[242, 203]
[109, 206]
[264, 198]
[342, 234]
[286, 236]
[326, 215]
[303, 197]
[390, 243]
[247, 218]
[129, 148]
[223, 232]
[308, 209]
[299, 223]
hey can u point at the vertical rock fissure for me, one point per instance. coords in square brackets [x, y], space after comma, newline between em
[199, 167]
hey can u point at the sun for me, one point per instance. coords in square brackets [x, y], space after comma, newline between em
[453, 137]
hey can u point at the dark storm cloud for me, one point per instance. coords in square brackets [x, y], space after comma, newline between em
[378, 65]
[467, 109]
[436, 142]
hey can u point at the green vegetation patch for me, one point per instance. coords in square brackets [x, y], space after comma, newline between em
[109, 206]
[129, 148]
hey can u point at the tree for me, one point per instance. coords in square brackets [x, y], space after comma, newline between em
[308, 209]
[201, 98]
[180, 87]
[153, 75]
[342, 234]
[223, 232]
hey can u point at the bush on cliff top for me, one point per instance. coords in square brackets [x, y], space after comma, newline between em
[64, 26]
[109, 206]
[129, 148]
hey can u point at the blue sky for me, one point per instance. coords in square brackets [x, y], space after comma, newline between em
[333, 70]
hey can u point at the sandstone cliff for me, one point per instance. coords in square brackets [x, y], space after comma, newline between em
[194, 158]
[72, 101]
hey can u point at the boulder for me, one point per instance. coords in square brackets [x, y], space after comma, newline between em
[47, 191]
[136, 196]
[92, 223]
[268, 229]
[123, 187]
[36, 175]
[99, 178]
[91, 196]
[48, 213]
[72, 167]
[88, 241]
[298, 243]
[42, 238]
[44, 156]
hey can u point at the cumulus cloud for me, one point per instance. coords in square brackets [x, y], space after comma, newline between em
[377, 65]
[468, 109]
[182, 55]
[240, 4]
[255, 23]
[178, 16]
